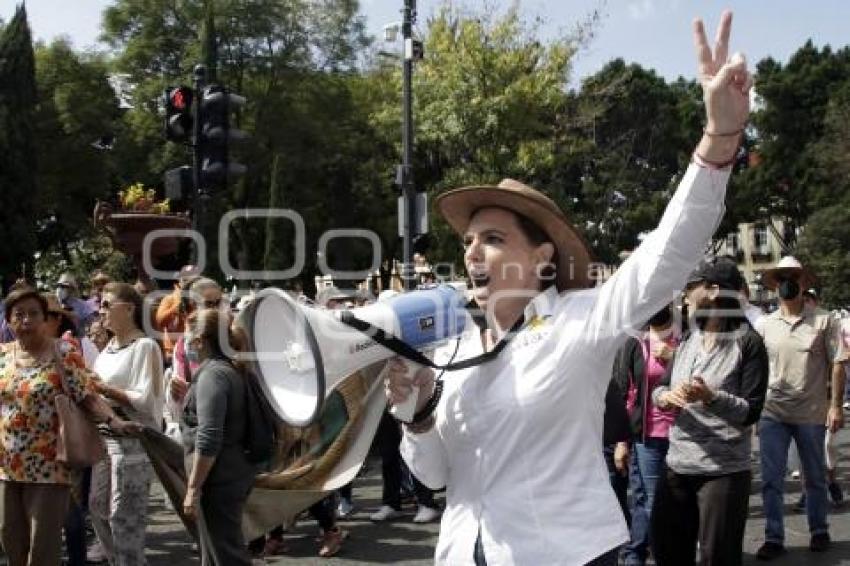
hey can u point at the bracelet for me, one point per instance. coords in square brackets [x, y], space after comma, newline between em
[722, 134]
[703, 162]
[429, 407]
[419, 428]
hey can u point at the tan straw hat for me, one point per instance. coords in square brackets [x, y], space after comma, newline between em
[459, 205]
[788, 267]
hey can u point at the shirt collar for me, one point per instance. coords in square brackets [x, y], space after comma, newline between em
[543, 305]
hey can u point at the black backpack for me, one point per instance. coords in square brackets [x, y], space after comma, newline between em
[261, 422]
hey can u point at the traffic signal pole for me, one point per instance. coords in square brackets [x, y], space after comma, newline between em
[199, 78]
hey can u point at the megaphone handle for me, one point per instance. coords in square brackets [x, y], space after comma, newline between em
[404, 411]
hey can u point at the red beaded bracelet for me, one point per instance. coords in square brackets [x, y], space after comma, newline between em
[721, 134]
[703, 162]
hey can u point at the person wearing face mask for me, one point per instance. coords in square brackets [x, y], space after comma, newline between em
[202, 292]
[67, 291]
[716, 385]
[213, 431]
[804, 347]
[643, 360]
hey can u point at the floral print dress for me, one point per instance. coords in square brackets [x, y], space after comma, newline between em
[29, 424]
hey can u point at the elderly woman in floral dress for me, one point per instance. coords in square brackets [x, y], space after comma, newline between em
[34, 490]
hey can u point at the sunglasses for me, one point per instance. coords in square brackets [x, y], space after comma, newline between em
[211, 304]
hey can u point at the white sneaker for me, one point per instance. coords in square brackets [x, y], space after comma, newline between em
[345, 508]
[385, 513]
[426, 514]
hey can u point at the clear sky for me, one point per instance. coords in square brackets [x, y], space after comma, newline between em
[654, 33]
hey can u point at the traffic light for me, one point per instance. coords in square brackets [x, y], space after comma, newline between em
[216, 137]
[178, 113]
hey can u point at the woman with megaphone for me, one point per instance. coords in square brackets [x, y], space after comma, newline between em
[516, 440]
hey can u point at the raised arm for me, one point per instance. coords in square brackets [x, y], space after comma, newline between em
[656, 271]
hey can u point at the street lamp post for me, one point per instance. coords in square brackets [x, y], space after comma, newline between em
[412, 207]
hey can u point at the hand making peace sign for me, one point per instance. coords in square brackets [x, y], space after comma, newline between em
[726, 84]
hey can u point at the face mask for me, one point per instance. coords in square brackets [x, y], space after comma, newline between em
[661, 318]
[788, 289]
[192, 355]
[62, 294]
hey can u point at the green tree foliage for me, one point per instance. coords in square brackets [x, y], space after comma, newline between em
[486, 97]
[75, 121]
[18, 188]
[625, 139]
[293, 60]
[792, 179]
[825, 247]
[491, 100]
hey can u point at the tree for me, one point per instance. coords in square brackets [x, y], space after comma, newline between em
[291, 59]
[18, 188]
[825, 248]
[790, 180]
[486, 98]
[76, 122]
[625, 139]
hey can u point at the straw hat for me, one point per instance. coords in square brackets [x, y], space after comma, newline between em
[788, 267]
[324, 296]
[459, 205]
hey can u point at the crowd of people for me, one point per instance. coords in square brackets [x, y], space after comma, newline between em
[598, 425]
[179, 380]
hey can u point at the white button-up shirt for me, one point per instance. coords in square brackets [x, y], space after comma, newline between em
[518, 440]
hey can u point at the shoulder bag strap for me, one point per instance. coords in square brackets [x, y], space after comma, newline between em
[60, 366]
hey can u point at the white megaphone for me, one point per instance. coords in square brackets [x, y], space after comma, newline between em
[301, 352]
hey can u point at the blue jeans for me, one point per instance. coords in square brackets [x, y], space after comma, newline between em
[774, 440]
[647, 466]
[619, 482]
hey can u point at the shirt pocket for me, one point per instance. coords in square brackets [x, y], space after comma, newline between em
[811, 343]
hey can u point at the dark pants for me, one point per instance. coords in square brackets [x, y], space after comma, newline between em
[388, 438]
[619, 482]
[220, 525]
[345, 491]
[324, 512]
[708, 509]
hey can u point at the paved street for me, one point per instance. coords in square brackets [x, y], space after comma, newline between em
[404, 543]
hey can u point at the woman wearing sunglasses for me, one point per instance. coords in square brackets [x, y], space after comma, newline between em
[131, 369]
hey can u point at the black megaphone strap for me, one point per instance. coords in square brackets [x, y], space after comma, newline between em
[406, 351]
